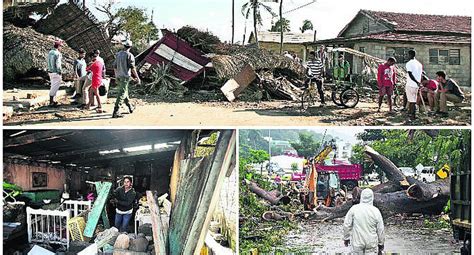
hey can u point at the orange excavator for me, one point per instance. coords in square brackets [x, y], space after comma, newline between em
[309, 194]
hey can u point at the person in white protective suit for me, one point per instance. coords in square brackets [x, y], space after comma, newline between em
[363, 226]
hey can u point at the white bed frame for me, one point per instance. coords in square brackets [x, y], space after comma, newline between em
[50, 226]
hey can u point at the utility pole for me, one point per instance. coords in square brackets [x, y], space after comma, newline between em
[233, 20]
[281, 27]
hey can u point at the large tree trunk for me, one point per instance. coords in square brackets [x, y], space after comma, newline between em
[388, 167]
[400, 195]
[270, 196]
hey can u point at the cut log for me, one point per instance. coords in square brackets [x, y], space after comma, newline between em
[272, 215]
[388, 167]
[268, 195]
[426, 191]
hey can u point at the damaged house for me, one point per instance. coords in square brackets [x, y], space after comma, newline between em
[26, 40]
[441, 42]
[58, 190]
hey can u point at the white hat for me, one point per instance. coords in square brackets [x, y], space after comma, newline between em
[127, 43]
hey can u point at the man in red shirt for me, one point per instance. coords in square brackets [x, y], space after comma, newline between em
[386, 79]
[428, 91]
[97, 69]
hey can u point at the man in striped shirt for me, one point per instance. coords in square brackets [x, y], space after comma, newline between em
[315, 72]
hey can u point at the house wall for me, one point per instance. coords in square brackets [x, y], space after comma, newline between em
[461, 73]
[299, 49]
[20, 173]
[364, 25]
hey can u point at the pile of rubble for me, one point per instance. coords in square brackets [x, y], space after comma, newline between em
[113, 242]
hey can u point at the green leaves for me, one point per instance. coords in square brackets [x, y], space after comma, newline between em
[449, 146]
[163, 81]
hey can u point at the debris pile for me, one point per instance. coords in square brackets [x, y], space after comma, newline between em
[231, 59]
[25, 52]
[202, 40]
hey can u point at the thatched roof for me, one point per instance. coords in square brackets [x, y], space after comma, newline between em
[25, 49]
[230, 60]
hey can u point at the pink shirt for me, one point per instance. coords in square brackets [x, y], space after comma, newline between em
[386, 75]
[97, 69]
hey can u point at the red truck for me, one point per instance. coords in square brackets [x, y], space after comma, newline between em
[348, 174]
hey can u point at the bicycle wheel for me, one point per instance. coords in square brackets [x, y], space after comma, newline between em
[307, 100]
[349, 98]
[335, 99]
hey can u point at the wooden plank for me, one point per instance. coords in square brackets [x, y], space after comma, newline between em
[197, 196]
[183, 151]
[103, 215]
[97, 208]
[233, 87]
[159, 236]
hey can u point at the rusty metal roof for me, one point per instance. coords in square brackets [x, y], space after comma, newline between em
[83, 147]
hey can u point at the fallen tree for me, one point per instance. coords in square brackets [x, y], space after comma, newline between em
[399, 195]
[271, 196]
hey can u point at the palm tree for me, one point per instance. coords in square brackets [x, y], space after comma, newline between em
[255, 6]
[307, 25]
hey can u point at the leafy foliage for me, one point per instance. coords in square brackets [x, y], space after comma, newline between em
[130, 20]
[162, 81]
[277, 27]
[449, 146]
[307, 25]
[256, 235]
[307, 145]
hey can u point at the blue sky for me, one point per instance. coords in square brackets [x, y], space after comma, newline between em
[328, 16]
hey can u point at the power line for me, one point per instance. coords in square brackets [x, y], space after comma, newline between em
[299, 7]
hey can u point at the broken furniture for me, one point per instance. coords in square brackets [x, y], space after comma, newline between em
[48, 226]
[142, 216]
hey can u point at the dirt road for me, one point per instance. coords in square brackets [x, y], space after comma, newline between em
[243, 114]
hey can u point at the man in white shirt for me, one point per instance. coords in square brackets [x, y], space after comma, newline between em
[414, 72]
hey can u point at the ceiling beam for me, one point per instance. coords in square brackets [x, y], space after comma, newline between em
[120, 156]
[37, 137]
[83, 153]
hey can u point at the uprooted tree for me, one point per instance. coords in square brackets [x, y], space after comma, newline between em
[402, 194]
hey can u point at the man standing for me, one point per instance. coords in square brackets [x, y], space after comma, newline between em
[414, 71]
[55, 71]
[322, 55]
[124, 198]
[315, 72]
[342, 69]
[386, 79]
[80, 74]
[124, 66]
[366, 224]
[449, 91]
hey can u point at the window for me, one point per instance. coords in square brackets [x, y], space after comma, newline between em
[445, 57]
[401, 54]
